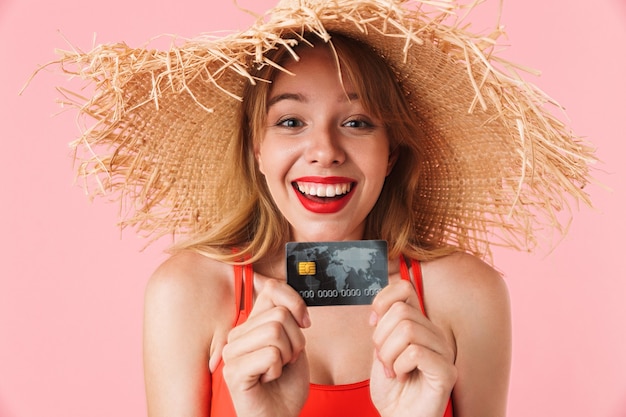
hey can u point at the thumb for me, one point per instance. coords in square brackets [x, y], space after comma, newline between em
[216, 356]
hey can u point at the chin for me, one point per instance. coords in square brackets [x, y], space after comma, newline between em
[326, 233]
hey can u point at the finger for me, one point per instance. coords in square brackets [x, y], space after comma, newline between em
[405, 335]
[275, 328]
[277, 293]
[439, 371]
[274, 322]
[399, 291]
[395, 314]
[244, 372]
[216, 355]
[409, 325]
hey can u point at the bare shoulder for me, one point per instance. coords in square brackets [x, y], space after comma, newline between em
[463, 266]
[190, 278]
[463, 276]
[189, 270]
[463, 291]
[187, 310]
[189, 292]
[469, 300]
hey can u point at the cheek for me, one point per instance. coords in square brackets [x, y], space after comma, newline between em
[267, 157]
[380, 161]
[273, 160]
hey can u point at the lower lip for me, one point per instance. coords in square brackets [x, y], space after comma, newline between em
[329, 207]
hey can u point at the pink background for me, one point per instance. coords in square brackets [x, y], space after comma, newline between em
[71, 290]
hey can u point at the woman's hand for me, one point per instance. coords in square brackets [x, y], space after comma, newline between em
[265, 365]
[413, 371]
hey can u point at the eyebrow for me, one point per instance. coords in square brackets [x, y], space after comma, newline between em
[301, 98]
[285, 96]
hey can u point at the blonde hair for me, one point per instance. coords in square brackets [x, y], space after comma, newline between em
[257, 227]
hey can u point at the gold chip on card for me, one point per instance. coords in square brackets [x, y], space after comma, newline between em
[306, 268]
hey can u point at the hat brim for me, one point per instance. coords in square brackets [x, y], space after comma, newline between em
[497, 166]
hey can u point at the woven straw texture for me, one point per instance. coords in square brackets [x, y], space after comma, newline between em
[498, 166]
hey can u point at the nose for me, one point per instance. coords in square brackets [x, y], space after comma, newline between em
[325, 147]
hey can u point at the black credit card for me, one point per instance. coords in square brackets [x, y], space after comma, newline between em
[337, 273]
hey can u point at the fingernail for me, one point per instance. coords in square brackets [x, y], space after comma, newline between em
[373, 318]
[388, 373]
[306, 320]
[213, 361]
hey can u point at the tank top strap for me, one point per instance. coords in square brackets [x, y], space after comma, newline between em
[244, 288]
[238, 287]
[248, 292]
[416, 269]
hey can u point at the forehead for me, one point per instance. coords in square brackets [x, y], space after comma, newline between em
[317, 68]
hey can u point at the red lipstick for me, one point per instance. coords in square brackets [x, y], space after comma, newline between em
[312, 193]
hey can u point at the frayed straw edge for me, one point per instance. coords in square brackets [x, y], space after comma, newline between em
[534, 95]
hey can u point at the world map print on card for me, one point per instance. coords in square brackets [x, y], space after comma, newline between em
[337, 273]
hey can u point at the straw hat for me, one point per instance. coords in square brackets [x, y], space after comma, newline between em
[498, 166]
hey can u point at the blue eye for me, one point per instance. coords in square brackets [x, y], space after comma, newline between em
[290, 122]
[358, 123]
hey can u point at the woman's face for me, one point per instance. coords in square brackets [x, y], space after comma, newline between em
[324, 157]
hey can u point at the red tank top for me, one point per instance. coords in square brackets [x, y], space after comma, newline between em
[324, 400]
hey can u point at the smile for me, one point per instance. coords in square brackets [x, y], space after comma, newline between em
[323, 190]
[324, 195]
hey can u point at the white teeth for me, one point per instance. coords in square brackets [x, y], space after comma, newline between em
[323, 190]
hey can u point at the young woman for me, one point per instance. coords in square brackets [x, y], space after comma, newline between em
[357, 121]
[330, 126]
